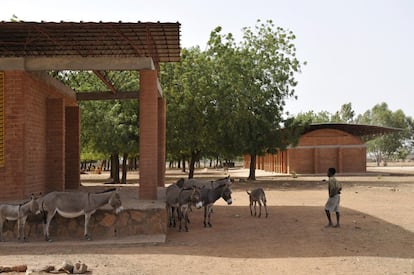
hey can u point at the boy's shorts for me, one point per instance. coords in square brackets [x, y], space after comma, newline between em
[332, 205]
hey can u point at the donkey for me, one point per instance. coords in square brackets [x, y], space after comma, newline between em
[186, 198]
[172, 193]
[206, 183]
[257, 196]
[20, 213]
[210, 195]
[181, 199]
[75, 204]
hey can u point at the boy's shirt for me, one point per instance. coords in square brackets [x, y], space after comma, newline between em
[334, 187]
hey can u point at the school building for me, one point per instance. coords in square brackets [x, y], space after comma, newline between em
[321, 146]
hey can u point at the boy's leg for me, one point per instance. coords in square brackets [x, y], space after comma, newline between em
[328, 215]
[337, 219]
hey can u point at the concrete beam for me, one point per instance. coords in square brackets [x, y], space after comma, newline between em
[76, 63]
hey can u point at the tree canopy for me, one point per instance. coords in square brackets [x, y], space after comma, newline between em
[232, 96]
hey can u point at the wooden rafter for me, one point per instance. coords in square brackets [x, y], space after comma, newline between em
[103, 78]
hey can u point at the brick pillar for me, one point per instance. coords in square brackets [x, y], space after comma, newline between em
[12, 175]
[161, 140]
[55, 145]
[148, 138]
[72, 148]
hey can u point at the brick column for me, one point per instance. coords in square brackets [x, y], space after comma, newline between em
[55, 145]
[148, 138]
[161, 140]
[72, 148]
[12, 175]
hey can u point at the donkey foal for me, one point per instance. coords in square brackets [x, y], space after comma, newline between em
[257, 196]
[20, 213]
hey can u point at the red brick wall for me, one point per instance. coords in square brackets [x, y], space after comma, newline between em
[316, 152]
[55, 144]
[11, 174]
[26, 169]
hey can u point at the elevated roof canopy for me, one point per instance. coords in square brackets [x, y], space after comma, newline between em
[360, 130]
[161, 41]
[95, 46]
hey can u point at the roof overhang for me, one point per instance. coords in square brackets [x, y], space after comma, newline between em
[360, 130]
[161, 41]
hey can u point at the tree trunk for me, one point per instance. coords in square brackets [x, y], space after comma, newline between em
[183, 168]
[252, 172]
[124, 168]
[194, 158]
[115, 167]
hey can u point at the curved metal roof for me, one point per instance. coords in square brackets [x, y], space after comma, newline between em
[161, 41]
[360, 130]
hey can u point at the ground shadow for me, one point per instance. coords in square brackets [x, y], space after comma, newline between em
[289, 231]
[295, 231]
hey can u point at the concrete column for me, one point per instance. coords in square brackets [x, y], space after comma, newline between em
[55, 145]
[148, 140]
[161, 140]
[72, 148]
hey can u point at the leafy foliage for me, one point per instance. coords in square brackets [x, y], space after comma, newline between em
[390, 146]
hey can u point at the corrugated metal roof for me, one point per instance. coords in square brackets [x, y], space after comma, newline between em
[360, 130]
[161, 41]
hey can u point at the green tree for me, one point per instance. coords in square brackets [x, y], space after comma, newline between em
[259, 76]
[345, 115]
[186, 86]
[389, 146]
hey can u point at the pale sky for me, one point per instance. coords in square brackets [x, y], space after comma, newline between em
[358, 51]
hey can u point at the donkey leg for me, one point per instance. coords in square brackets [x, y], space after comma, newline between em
[205, 216]
[255, 203]
[170, 215]
[87, 218]
[1, 229]
[210, 209]
[265, 206]
[179, 214]
[22, 226]
[47, 218]
[186, 219]
[19, 227]
[260, 209]
[174, 221]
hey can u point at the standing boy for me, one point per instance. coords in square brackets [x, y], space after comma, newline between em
[332, 205]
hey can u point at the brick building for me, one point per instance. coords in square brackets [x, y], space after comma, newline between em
[39, 116]
[322, 146]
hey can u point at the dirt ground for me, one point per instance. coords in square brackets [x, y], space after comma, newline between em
[376, 234]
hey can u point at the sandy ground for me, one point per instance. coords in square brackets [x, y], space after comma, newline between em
[376, 236]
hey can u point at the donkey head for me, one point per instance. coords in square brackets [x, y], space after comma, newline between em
[226, 194]
[115, 202]
[34, 205]
[196, 197]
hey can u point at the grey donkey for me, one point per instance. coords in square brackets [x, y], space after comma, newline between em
[20, 213]
[257, 196]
